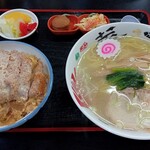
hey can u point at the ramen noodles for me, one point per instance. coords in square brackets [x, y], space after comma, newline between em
[23, 84]
[117, 89]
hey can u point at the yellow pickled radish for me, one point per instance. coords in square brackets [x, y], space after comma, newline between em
[18, 15]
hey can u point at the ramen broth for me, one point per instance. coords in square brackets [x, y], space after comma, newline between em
[128, 108]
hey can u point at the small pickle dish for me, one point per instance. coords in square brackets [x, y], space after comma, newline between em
[68, 24]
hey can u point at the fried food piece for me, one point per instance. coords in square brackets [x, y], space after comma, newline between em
[39, 83]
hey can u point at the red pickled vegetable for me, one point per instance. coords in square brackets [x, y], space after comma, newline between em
[26, 28]
[31, 26]
[23, 29]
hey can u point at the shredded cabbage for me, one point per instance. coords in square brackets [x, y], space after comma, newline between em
[9, 27]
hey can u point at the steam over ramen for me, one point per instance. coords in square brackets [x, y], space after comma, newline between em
[118, 88]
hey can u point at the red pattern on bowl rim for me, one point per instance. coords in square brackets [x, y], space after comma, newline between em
[77, 95]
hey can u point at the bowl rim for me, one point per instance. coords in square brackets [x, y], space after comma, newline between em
[112, 129]
[30, 13]
[44, 100]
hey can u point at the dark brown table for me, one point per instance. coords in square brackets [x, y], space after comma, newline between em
[60, 124]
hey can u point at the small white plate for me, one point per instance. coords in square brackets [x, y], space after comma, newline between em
[25, 11]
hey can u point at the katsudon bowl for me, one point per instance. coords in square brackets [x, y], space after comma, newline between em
[40, 83]
[99, 78]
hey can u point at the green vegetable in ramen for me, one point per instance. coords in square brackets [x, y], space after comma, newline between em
[123, 78]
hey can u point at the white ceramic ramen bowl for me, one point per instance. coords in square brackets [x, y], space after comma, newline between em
[29, 49]
[81, 46]
[24, 11]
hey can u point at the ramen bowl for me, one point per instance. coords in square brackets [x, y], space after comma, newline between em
[105, 35]
[30, 50]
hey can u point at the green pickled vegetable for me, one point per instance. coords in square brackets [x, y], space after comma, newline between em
[126, 77]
